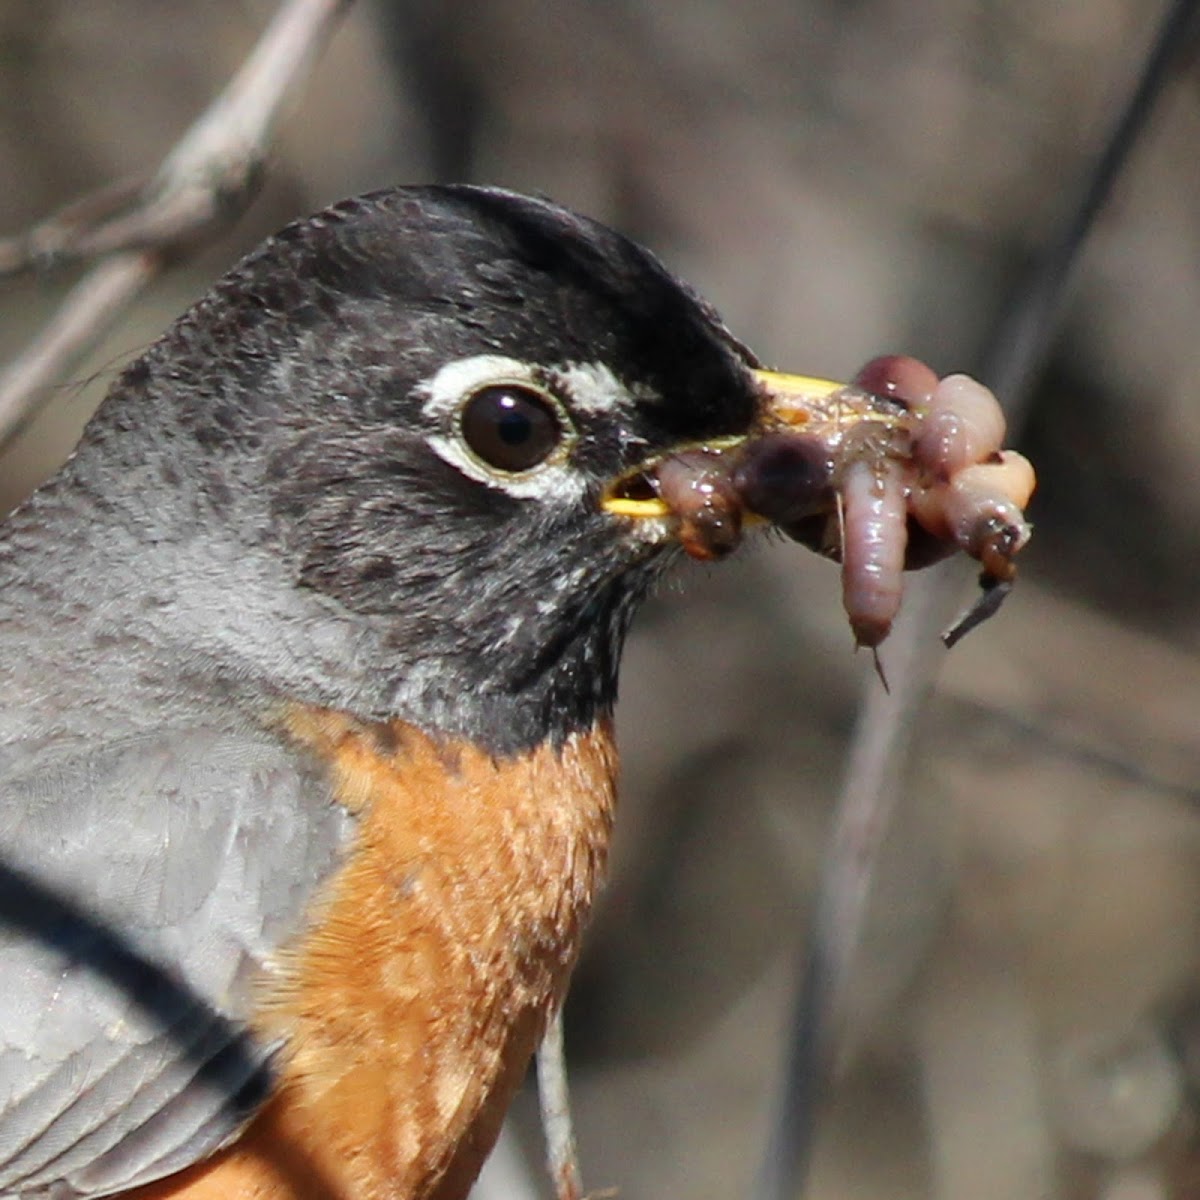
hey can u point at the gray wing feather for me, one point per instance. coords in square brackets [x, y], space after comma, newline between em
[142, 887]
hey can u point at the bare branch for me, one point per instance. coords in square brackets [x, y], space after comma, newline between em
[870, 792]
[91, 307]
[206, 181]
[554, 1101]
[57, 239]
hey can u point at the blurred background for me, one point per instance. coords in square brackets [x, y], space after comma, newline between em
[841, 178]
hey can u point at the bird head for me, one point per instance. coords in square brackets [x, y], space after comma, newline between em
[419, 407]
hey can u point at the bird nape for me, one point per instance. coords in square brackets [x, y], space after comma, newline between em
[308, 658]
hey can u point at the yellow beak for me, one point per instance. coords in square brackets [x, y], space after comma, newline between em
[792, 400]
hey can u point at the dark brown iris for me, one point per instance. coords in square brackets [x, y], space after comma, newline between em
[510, 428]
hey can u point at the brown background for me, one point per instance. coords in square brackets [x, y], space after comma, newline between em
[840, 178]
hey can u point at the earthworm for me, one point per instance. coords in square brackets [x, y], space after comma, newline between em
[874, 536]
[787, 478]
[697, 486]
[898, 377]
[891, 472]
[980, 509]
[961, 423]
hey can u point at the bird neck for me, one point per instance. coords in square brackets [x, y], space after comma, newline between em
[202, 610]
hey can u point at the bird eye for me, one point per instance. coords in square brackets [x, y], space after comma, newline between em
[511, 428]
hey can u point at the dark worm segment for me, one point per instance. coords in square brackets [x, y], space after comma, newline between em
[992, 593]
[898, 377]
[787, 478]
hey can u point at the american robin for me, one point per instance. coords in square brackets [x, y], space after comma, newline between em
[308, 663]
[308, 658]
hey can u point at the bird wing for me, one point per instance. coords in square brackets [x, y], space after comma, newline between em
[143, 886]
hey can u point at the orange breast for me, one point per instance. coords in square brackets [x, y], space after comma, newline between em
[412, 1004]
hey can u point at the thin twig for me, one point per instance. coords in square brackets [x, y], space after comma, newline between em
[88, 310]
[56, 239]
[885, 730]
[206, 181]
[554, 1102]
[869, 795]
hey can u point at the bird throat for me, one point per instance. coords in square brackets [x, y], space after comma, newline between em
[553, 680]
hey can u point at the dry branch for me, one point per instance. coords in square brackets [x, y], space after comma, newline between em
[555, 1105]
[206, 181]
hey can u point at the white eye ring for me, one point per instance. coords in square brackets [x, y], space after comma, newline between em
[452, 389]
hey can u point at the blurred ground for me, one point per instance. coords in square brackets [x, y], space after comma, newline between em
[841, 178]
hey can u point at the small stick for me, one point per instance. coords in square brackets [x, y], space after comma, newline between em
[554, 1103]
[90, 308]
[992, 593]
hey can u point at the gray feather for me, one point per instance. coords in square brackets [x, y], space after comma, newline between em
[158, 878]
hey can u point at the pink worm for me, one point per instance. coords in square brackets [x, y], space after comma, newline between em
[961, 424]
[874, 539]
